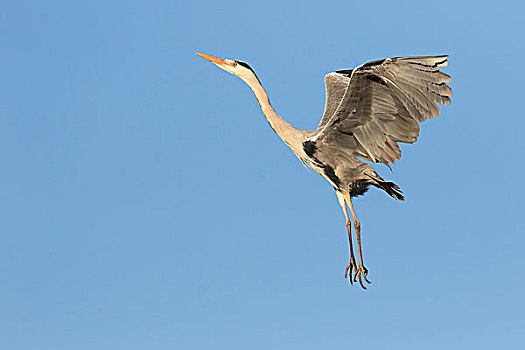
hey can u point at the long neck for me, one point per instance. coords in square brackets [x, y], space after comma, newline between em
[290, 135]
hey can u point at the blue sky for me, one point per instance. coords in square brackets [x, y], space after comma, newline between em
[146, 204]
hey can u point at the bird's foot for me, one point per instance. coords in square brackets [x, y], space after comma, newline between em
[349, 268]
[360, 273]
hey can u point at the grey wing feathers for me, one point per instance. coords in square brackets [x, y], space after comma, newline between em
[382, 104]
[335, 84]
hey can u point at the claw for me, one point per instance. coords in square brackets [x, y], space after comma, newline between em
[349, 268]
[360, 274]
[365, 274]
[361, 282]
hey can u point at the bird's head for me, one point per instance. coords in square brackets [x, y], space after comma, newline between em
[238, 68]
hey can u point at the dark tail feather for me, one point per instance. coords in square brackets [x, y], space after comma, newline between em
[389, 187]
[392, 189]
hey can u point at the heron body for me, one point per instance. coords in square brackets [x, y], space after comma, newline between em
[368, 111]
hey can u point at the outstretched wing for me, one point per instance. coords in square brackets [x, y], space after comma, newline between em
[381, 105]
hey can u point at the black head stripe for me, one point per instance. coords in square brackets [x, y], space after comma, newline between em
[245, 65]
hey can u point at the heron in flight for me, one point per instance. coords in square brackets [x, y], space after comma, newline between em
[368, 111]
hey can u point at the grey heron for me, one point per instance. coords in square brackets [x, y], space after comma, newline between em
[368, 111]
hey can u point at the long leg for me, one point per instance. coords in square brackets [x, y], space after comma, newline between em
[351, 264]
[361, 271]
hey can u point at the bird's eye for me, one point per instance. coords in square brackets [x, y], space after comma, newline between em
[234, 64]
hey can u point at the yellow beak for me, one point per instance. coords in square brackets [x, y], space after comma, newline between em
[213, 59]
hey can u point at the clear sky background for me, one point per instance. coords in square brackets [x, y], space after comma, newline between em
[146, 203]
